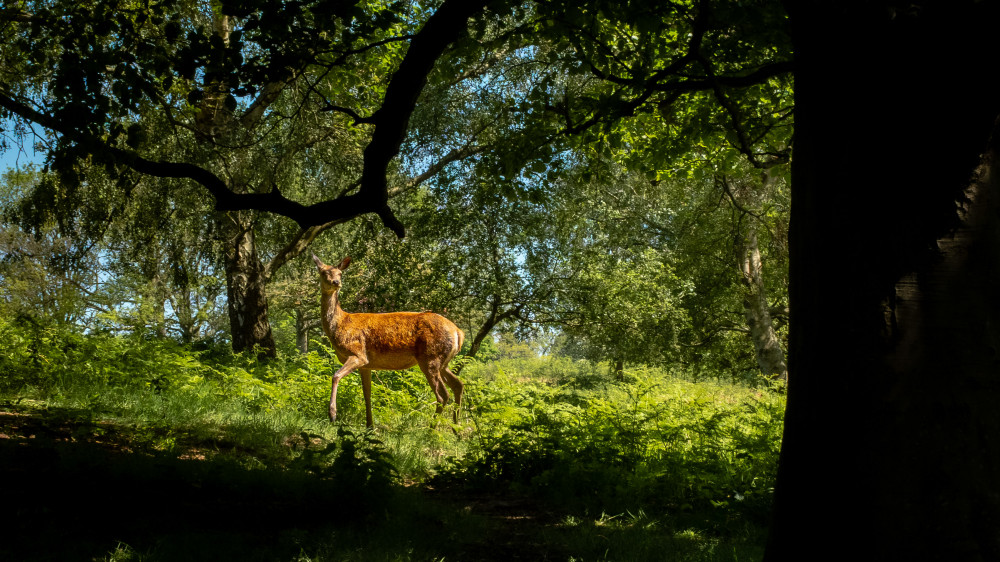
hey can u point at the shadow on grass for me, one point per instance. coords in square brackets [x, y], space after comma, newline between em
[76, 490]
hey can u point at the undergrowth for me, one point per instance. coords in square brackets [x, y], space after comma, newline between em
[653, 467]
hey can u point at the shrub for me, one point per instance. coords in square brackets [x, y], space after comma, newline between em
[654, 441]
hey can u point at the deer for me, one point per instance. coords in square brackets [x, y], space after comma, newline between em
[389, 340]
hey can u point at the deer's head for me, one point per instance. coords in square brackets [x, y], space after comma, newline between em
[329, 275]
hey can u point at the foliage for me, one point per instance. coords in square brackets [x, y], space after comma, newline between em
[648, 441]
[44, 271]
[254, 102]
[502, 177]
[655, 461]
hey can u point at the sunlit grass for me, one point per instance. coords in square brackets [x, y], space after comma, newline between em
[655, 467]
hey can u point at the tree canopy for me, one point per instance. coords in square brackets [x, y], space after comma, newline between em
[477, 121]
[92, 72]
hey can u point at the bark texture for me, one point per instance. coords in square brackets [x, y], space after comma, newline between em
[302, 327]
[770, 357]
[890, 449]
[246, 286]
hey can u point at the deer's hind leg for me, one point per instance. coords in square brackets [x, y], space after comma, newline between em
[366, 389]
[432, 370]
[456, 388]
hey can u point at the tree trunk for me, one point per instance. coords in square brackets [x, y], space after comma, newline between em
[495, 317]
[890, 449]
[484, 331]
[770, 357]
[302, 326]
[158, 296]
[246, 287]
[185, 314]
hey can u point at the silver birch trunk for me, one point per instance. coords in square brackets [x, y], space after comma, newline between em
[770, 357]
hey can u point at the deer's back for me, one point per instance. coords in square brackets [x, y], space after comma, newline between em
[396, 340]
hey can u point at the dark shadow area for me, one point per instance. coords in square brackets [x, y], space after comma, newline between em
[70, 496]
[75, 489]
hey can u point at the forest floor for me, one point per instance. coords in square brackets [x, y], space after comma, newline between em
[78, 489]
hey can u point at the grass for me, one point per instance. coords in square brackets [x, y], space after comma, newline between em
[145, 450]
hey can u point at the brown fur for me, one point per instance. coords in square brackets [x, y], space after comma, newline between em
[393, 340]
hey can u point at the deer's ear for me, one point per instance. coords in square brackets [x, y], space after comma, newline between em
[319, 262]
[344, 263]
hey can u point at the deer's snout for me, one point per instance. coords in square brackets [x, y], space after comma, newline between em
[331, 281]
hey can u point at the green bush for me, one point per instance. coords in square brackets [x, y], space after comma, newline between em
[651, 442]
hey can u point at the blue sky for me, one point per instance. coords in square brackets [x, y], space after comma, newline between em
[15, 155]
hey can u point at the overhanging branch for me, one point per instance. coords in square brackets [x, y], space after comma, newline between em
[444, 27]
[342, 208]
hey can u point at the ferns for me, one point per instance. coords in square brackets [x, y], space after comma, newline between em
[654, 450]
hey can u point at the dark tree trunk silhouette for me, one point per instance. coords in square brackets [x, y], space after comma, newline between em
[890, 449]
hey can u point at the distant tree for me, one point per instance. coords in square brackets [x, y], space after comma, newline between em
[233, 97]
[662, 268]
[242, 91]
[172, 261]
[676, 95]
[752, 204]
[51, 271]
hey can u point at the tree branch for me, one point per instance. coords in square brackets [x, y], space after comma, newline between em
[301, 241]
[723, 181]
[358, 118]
[295, 247]
[452, 156]
[251, 117]
[15, 15]
[443, 28]
[340, 209]
[346, 54]
[745, 145]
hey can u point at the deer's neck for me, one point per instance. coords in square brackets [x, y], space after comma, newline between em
[332, 313]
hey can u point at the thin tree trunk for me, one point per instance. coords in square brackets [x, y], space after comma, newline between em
[495, 317]
[302, 326]
[770, 357]
[185, 314]
[158, 295]
[484, 331]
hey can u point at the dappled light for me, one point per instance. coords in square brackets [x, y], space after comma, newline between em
[200, 456]
[567, 302]
[596, 247]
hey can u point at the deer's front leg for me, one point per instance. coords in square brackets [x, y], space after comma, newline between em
[352, 363]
